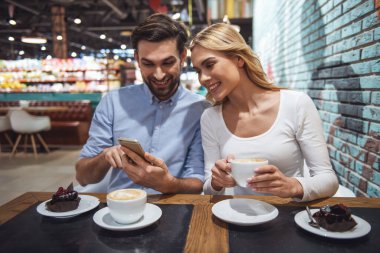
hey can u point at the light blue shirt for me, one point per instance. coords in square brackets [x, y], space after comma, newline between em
[169, 130]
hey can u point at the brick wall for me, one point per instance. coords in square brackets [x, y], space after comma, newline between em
[330, 49]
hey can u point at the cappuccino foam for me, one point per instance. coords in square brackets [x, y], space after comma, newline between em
[126, 194]
[249, 160]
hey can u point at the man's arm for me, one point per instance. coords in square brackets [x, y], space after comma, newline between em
[91, 170]
[184, 185]
[152, 172]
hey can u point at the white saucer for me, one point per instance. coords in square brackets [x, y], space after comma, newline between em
[103, 219]
[361, 229]
[86, 203]
[244, 212]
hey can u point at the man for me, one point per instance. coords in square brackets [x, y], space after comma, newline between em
[161, 114]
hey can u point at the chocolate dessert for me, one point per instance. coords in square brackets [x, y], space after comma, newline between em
[64, 200]
[336, 218]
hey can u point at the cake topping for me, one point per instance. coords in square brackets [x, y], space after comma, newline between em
[335, 218]
[64, 195]
[64, 200]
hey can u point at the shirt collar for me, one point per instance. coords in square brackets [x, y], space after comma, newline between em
[171, 101]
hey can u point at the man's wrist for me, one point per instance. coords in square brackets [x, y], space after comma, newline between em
[171, 185]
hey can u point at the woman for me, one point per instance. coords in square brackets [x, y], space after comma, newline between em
[252, 117]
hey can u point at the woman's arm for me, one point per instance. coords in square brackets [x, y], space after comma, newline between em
[322, 181]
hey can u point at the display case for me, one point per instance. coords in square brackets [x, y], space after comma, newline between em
[59, 75]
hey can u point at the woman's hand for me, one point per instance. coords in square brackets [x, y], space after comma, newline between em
[269, 179]
[221, 177]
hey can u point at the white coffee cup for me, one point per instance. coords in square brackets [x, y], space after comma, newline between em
[126, 205]
[244, 168]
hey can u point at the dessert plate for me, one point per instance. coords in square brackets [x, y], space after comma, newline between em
[86, 203]
[361, 229]
[244, 212]
[151, 214]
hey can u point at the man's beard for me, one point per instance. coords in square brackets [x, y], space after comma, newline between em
[165, 92]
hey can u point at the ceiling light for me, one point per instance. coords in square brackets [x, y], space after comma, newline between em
[116, 57]
[21, 52]
[83, 47]
[43, 48]
[176, 16]
[59, 37]
[126, 33]
[102, 36]
[48, 57]
[33, 39]
[10, 38]
[77, 21]
[123, 46]
[12, 21]
[73, 54]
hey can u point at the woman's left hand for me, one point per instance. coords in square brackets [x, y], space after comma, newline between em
[269, 179]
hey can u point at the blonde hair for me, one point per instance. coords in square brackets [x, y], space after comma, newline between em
[224, 38]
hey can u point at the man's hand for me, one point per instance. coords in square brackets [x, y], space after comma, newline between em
[269, 179]
[113, 156]
[150, 172]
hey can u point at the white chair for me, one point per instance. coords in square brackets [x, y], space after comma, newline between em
[100, 187]
[28, 125]
[344, 192]
[5, 125]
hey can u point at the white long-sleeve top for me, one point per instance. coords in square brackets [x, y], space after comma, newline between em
[295, 136]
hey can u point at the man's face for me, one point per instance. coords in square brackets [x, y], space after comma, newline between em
[160, 65]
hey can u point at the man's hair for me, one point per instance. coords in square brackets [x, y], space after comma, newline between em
[159, 27]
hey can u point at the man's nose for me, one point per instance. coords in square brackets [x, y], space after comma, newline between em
[159, 74]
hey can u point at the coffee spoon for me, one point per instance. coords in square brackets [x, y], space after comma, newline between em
[312, 222]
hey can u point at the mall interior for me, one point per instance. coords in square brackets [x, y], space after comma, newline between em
[58, 58]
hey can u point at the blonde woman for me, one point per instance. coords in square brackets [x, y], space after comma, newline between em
[251, 117]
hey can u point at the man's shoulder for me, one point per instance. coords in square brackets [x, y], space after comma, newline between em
[190, 97]
[130, 91]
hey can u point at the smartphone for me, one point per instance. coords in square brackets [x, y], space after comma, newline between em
[133, 145]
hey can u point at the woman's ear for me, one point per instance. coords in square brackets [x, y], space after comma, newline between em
[183, 56]
[240, 62]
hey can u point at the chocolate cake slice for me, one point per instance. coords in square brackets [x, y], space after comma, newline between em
[336, 218]
[64, 200]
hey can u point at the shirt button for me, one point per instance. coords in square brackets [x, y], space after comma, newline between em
[151, 150]
[160, 106]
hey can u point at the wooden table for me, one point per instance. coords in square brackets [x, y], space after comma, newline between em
[206, 233]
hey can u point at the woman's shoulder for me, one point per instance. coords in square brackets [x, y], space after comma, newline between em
[296, 97]
[211, 113]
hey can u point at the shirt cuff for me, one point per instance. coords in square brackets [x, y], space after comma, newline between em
[306, 194]
[207, 188]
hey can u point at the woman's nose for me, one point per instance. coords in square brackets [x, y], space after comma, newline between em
[204, 79]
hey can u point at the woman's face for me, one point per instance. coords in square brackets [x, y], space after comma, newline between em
[217, 72]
